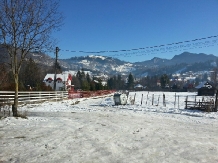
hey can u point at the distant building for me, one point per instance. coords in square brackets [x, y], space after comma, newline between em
[63, 81]
[158, 83]
[206, 89]
[138, 87]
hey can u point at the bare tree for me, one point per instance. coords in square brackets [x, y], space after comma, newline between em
[26, 25]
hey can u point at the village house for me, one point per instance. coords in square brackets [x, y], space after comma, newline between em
[139, 87]
[63, 81]
[206, 89]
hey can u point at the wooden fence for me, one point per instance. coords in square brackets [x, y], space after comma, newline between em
[201, 104]
[7, 97]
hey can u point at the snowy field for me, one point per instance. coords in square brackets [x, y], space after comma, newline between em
[96, 131]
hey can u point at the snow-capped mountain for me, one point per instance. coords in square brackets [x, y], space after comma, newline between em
[98, 63]
[108, 65]
[112, 66]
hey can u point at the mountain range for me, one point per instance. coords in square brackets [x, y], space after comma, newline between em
[111, 66]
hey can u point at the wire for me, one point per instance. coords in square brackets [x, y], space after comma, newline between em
[164, 48]
[137, 49]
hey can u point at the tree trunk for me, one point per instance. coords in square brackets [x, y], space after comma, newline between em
[15, 105]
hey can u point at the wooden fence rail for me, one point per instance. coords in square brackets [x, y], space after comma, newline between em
[201, 104]
[7, 97]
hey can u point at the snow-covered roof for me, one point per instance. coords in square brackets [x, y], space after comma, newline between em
[61, 76]
[204, 84]
[138, 86]
[200, 85]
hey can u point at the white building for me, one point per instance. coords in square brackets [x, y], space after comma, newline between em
[63, 81]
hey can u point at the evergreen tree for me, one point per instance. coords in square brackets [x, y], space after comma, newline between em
[88, 78]
[83, 76]
[164, 80]
[92, 86]
[98, 85]
[130, 82]
[120, 82]
[85, 85]
[110, 83]
[115, 84]
[78, 75]
[75, 81]
[84, 80]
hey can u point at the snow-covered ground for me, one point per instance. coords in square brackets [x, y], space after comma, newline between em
[94, 130]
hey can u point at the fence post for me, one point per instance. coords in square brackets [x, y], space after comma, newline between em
[178, 101]
[147, 98]
[158, 100]
[200, 103]
[40, 96]
[195, 102]
[29, 98]
[164, 103]
[134, 99]
[141, 99]
[152, 99]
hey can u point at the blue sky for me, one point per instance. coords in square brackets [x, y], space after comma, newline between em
[113, 25]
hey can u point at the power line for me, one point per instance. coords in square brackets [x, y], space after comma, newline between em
[152, 50]
[145, 48]
[169, 49]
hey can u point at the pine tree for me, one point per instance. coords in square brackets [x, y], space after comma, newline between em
[75, 81]
[92, 86]
[98, 85]
[164, 80]
[83, 76]
[130, 82]
[110, 83]
[85, 85]
[120, 82]
[88, 78]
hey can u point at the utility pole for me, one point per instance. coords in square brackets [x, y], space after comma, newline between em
[56, 61]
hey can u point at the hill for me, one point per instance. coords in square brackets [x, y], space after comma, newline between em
[102, 64]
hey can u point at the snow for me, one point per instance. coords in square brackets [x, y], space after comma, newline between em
[85, 62]
[63, 76]
[97, 56]
[124, 68]
[95, 130]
